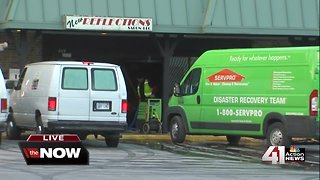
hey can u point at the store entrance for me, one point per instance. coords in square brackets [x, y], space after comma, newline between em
[138, 57]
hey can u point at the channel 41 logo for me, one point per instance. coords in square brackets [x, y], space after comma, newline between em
[281, 154]
[54, 149]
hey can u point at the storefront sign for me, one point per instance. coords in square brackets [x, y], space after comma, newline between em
[108, 23]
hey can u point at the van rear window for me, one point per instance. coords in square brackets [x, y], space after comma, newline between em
[75, 79]
[103, 80]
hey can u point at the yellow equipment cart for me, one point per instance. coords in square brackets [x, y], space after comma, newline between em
[149, 116]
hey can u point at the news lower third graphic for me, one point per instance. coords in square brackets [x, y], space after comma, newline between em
[281, 154]
[295, 154]
[54, 149]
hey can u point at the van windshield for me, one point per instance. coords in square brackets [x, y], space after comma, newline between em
[191, 83]
[19, 84]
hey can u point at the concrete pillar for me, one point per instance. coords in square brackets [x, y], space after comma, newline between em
[166, 46]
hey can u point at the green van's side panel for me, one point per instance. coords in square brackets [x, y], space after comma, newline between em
[316, 86]
[239, 87]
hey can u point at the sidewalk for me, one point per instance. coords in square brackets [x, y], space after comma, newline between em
[134, 135]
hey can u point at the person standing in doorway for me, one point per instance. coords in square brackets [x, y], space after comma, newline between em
[140, 89]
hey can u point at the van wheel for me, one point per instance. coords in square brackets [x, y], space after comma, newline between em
[233, 140]
[13, 133]
[82, 136]
[0, 137]
[276, 135]
[39, 125]
[112, 141]
[177, 130]
[146, 128]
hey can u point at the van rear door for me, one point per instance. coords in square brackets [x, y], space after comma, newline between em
[73, 100]
[105, 100]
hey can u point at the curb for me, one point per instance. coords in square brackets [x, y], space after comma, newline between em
[189, 138]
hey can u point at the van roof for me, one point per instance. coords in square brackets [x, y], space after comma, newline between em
[72, 63]
[273, 49]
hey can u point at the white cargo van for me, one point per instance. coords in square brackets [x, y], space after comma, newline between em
[3, 105]
[69, 97]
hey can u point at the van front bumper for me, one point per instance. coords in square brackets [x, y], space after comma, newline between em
[87, 127]
[3, 125]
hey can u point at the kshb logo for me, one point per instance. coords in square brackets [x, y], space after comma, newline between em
[280, 154]
[54, 149]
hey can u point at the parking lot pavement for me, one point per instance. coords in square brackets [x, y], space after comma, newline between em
[148, 161]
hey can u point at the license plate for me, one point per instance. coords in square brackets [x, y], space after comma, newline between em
[101, 106]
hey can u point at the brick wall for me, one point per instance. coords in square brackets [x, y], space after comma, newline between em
[12, 57]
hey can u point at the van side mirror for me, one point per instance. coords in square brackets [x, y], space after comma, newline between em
[10, 84]
[176, 89]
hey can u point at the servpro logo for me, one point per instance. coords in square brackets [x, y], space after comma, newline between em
[226, 75]
[54, 149]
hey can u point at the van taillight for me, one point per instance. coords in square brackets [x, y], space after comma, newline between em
[52, 103]
[4, 105]
[314, 103]
[124, 106]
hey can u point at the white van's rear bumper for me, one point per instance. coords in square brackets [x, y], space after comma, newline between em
[87, 127]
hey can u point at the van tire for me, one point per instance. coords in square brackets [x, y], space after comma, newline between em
[233, 140]
[82, 136]
[0, 137]
[39, 125]
[112, 141]
[277, 136]
[13, 133]
[177, 130]
[39, 129]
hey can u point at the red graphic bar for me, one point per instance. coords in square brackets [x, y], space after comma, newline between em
[32, 152]
[53, 138]
[26, 153]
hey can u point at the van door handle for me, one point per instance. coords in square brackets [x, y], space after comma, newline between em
[198, 99]
[114, 113]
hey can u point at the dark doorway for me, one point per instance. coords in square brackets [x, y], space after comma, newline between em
[137, 56]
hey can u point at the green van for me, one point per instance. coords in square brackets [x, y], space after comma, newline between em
[267, 93]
